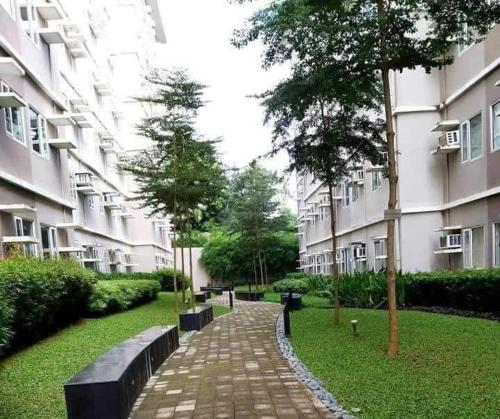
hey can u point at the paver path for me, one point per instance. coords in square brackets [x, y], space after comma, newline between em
[231, 369]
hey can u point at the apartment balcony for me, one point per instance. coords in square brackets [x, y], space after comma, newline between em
[448, 143]
[358, 177]
[85, 184]
[102, 87]
[451, 241]
[112, 201]
[20, 240]
[125, 213]
[61, 120]
[50, 11]
[75, 41]
[70, 249]
[445, 126]
[62, 143]
[109, 146]
[11, 100]
[52, 36]
[10, 68]
[82, 120]
[17, 209]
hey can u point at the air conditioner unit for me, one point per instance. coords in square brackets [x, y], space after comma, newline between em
[450, 241]
[360, 252]
[451, 138]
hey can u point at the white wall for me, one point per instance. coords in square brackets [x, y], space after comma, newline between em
[200, 276]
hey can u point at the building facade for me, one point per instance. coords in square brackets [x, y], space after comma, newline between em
[69, 72]
[448, 155]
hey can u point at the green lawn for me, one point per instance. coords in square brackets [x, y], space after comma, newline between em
[31, 381]
[449, 367]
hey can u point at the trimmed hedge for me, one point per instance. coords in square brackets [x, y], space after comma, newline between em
[164, 276]
[40, 297]
[121, 294]
[468, 290]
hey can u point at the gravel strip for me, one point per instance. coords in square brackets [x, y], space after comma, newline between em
[313, 383]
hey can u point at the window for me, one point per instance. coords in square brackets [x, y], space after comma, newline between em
[344, 260]
[467, 41]
[495, 119]
[72, 187]
[38, 129]
[25, 228]
[346, 194]
[14, 124]
[354, 193]
[473, 248]
[376, 180]
[90, 201]
[380, 254]
[471, 137]
[49, 242]
[27, 11]
[496, 244]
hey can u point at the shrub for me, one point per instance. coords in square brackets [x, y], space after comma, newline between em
[118, 295]
[299, 285]
[5, 318]
[475, 290]
[166, 278]
[43, 295]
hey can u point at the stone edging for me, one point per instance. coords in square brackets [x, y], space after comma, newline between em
[311, 382]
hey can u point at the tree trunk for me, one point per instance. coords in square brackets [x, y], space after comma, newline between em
[191, 268]
[335, 268]
[183, 270]
[393, 182]
[255, 272]
[265, 272]
[261, 270]
[176, 301]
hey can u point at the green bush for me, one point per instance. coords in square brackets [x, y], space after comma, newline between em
[42, 295]
[299, 285]
[5, 318]
[118, 295]
[102, 276]
[166, 278]
[475, 290]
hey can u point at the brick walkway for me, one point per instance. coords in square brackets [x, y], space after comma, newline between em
[231, 369]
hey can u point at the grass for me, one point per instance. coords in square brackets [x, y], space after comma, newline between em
[448, 367]
[31, 381]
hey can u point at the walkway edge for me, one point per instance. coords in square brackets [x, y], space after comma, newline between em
[314, 384]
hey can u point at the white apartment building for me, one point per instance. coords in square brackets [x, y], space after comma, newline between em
[448, 156]
[69, 72]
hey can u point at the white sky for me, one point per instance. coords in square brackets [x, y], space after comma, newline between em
[199, 33]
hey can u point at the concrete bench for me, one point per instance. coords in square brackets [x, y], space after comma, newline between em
[109, 387]
[296, 303]
[201, 297]
[249, 295]
[196, 318]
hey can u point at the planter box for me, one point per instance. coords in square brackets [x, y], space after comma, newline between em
[197, 318]
[109, 387]
[296, 301]
[215, 290]
[249, 295]
[201, 297]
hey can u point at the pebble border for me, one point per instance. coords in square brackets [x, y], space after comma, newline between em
[311, 382]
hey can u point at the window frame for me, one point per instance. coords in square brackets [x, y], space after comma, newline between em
[5, 88]
[31, 25]
[52, 238]
[470, 230]
[469, 143]
[32, 246]
[41, 133]
[492, 127]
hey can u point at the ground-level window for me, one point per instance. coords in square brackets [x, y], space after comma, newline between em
[49, 241]
[38, 131]
[344, 261]
[380, 254]
[471, 138]
[496, 241]
[473, 248]
[14, 123]
[25, 228]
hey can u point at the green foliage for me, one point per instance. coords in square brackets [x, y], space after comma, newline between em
[300, 285]
[119, 295]
[476, 290]
[166, 278]
[5, 319]
[32, 380]
[194, 238]
[448, 366]
[42, 296]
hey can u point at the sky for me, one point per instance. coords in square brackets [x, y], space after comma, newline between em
[198, 39]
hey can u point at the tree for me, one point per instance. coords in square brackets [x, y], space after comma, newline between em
[179, 174]
[253, 210]
[372, 38]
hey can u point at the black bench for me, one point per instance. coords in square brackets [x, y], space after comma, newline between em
[296, 303]
[109, 387]
[249, 295]
[196, 318]
[201, 297]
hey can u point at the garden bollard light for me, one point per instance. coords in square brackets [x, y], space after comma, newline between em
[354, 324]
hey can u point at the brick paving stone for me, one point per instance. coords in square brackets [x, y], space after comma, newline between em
[230, 369]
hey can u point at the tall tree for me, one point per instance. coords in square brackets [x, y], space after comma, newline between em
[372, 38]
